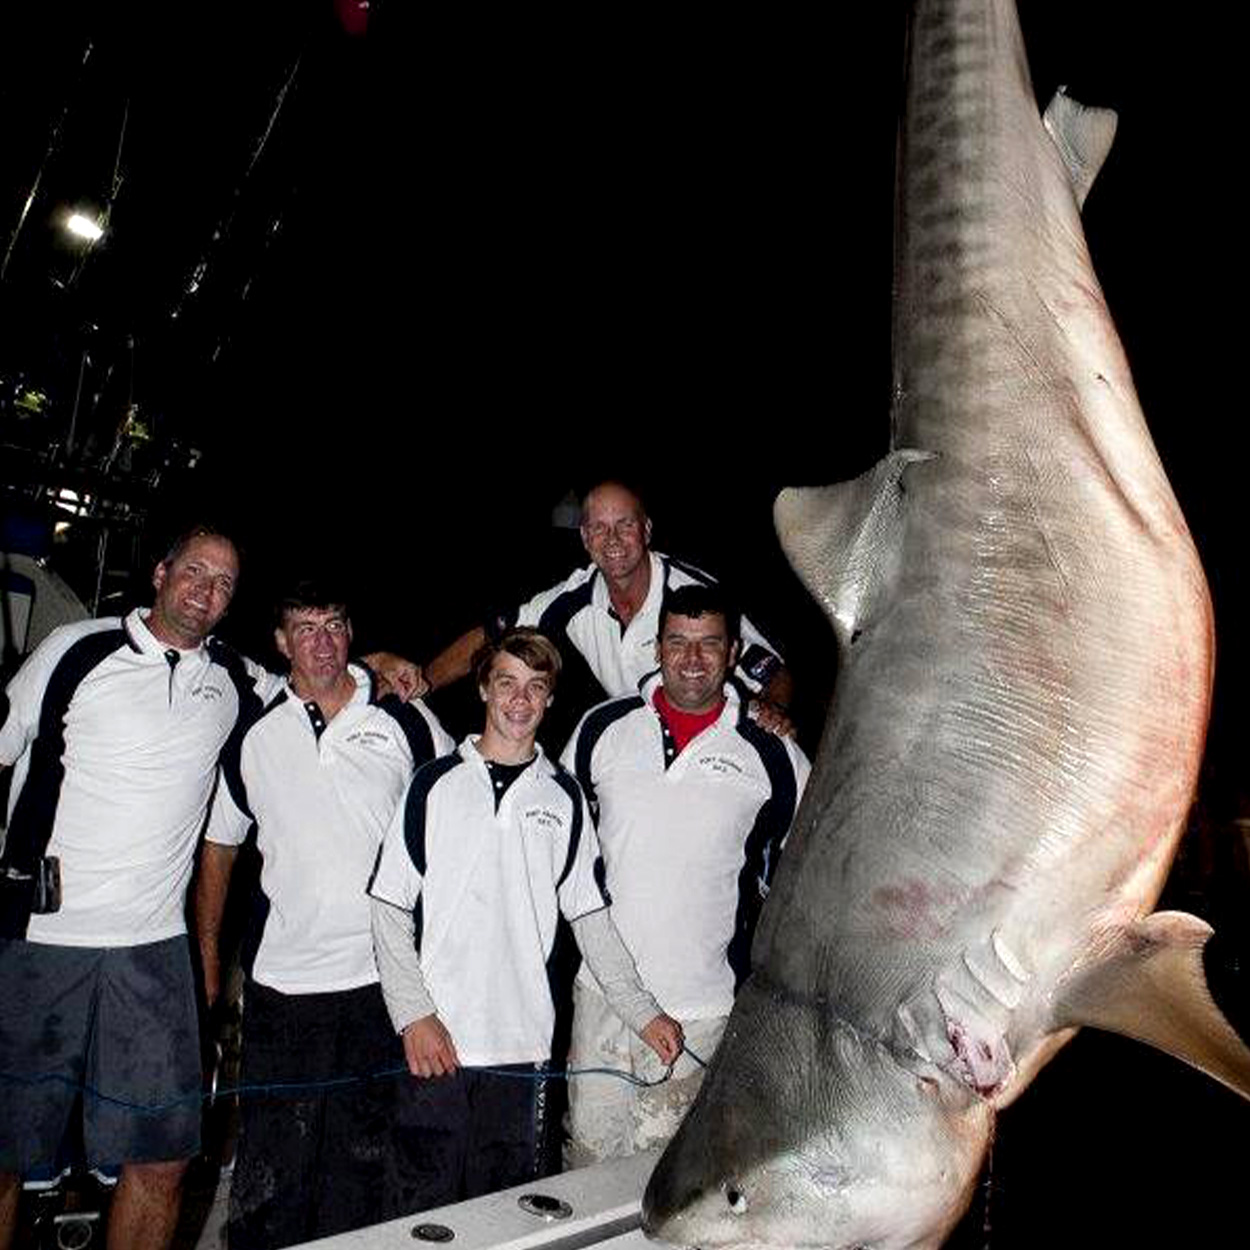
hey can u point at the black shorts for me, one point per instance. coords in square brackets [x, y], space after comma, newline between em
[116, 1026]
[478, 1131]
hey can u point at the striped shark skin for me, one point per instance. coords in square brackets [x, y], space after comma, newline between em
[1027, 644]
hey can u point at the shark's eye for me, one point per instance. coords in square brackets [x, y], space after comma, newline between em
[737, 1200]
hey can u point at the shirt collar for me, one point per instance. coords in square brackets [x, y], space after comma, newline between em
[144, 641]
[655, 588]
[471, 755]
[652, 682]
[364, 687]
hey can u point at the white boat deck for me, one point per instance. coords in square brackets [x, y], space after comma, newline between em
[595, 1206]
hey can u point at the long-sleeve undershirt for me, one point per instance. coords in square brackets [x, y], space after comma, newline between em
[408, 999]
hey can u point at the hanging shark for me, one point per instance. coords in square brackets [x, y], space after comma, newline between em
[1027, 647]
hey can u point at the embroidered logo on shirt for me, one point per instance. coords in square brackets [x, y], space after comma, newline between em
[369, 737]
[723, 764]
[543, 818]
[207, 691]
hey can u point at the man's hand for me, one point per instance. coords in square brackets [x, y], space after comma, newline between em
[428, 1048]
[397, 676]
[771, 717]
[664, 1036]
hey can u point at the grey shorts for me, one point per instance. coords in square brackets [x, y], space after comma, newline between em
[115, 1026]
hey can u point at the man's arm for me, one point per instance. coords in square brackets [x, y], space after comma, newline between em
[212, 883]
[454, 661]
[765, 673]
[613, 967]
[21, 702]
[771, 707]
[428, 1048]
[780, 689]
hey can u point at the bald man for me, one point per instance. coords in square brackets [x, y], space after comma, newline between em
[610, 612]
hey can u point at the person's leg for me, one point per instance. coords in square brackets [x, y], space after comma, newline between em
[46, 995]
[287, 1040]
[141, 1106]
[659, 1109]
[10, 1192]
[431, 1125]
[508, 1126]
[599, 1124]
[356, 1183]
[144, 1213]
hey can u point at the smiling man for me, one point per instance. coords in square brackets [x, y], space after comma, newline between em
[610, 611]
[693, 802]
[320, 773]
[115, 726]
[491, 845]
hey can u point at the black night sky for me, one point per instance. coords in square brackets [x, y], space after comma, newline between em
[445, 271]
[464, 266]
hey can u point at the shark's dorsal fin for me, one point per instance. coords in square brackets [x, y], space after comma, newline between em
[1083, 136]
[1151, 986]
[841, 539]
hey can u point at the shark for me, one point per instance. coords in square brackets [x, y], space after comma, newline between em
[1026, 660]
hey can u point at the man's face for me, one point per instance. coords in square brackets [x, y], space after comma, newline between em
[615, 531]
[516, 698]
[193, 591]
[316, 641]
[695, 654]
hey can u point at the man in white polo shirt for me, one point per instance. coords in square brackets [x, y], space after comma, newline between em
[694, 801]
[319, 773]
[115, 727]
[609, 612]
[490, 846]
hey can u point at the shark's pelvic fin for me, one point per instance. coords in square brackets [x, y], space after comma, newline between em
[1151, 986]
[842, 540]
[1083, 136]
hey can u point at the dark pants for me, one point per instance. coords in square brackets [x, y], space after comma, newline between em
[476, 1132]
[316, 1162]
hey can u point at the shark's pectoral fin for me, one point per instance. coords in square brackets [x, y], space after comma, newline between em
[1083, 136]
[842, 540]
[1151, 986]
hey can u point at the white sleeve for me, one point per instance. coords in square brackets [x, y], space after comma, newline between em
[267, 684]
[23, 698]
[802, 767]
[227, 824]
[582, 890]
[396, 879]
[530, 612]
[751, 637]
[568, 759]
[444, 743]
[753, 650]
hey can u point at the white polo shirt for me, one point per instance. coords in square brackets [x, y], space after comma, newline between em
[486, 888]
[690, 840]
[322, 799]
[115, 737]
[580, 610]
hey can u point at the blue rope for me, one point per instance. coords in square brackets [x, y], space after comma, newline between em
[338, 1082]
